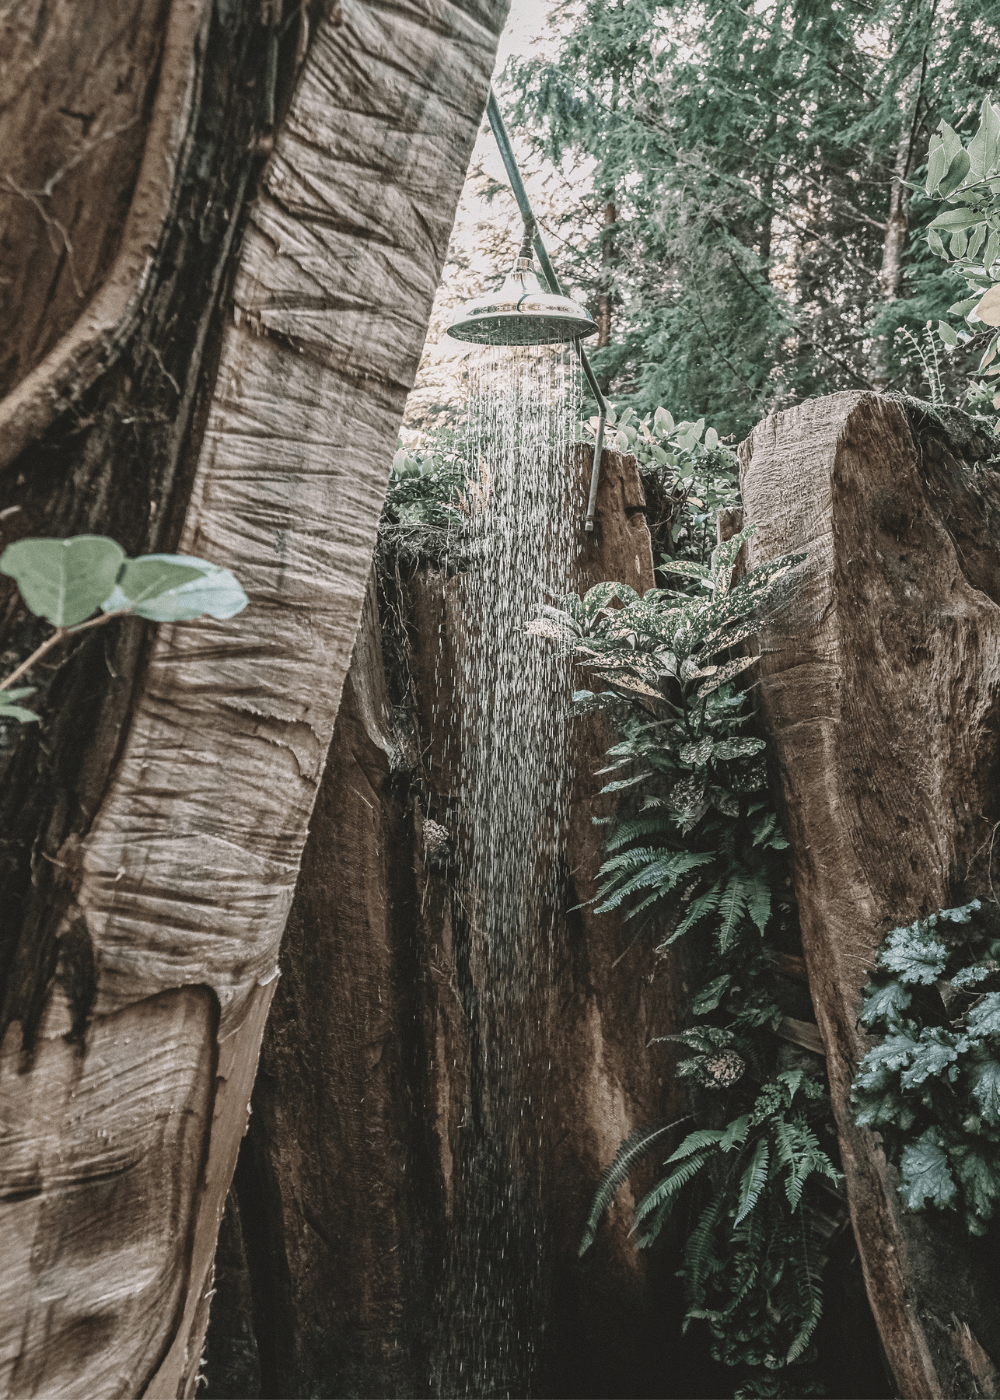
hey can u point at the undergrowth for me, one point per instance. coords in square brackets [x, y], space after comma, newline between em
[932, 1086]
[695, 851]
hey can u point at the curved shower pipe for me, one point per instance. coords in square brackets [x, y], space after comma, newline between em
[530, 222]
[95, 339]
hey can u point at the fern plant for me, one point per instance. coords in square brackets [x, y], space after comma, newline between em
[932, 1086]
[695, 850]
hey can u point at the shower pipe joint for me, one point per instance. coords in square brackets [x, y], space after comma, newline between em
[532, 236]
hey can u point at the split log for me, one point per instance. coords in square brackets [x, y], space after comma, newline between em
[154, 838]
[880, 686]
[355, 1183]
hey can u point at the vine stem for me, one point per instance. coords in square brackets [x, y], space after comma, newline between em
[59, 635]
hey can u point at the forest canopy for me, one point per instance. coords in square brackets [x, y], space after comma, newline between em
[752, 226]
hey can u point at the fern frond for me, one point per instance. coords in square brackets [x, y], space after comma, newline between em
[666, 1190]
[700, 908]
[632, 1150]
[732, 908]
[759, 900]
[753, 1182]
[694, 1142]
[807, 1273]
[699, 1255]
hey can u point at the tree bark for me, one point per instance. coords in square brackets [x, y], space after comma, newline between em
[357, 1180]
[894, 246]
[156, 822]
[881, 688]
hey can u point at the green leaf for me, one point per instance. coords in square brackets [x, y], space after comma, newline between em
[984, 148]
[709, 997]
[984, 1019]
[936, 1049]
[937, 164]
[936, 245]
[956, 218]
[962, 308]
[991, 250]
[987, 1091]
[147, 578]
[9, 709]
[914, 954]
[946, 333]
[64, 581]
[885, 1003]
[977, 238]
[663, 422]
[212, 591]
[957, 171]
[711, 439]
[926, 1174]
[753, 1181]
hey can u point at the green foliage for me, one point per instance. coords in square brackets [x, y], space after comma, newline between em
[688, 474]
[749, 153]
[931, 1087]
[751, 1264]
[426, 486]
[967, 233]
[696, 851]
[67, 582]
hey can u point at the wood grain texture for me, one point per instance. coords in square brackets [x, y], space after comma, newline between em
[107, 60]
[102, 1147]
[177, 893]
[77, 82]
[189, 868]
[358, 1183]
[881, 687]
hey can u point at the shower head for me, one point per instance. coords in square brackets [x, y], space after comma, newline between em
[520, 313]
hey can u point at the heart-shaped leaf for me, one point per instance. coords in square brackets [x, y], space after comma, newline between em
[63, 581]
[213, 592]
[148, 577]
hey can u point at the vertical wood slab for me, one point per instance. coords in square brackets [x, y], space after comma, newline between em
[881, 688]
[177, 894]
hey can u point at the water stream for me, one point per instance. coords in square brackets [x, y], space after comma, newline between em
[513, 782]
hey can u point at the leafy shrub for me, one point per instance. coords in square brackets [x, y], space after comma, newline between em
[688, 473]
[697, 848]
[752, 1263]
[425, 487]
[932, 1086]
[968, 180]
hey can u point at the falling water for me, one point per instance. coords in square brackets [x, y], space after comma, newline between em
[513, 783]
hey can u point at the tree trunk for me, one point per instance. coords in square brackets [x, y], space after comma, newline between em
[241, 408]
[894, 246]
[357, 1182]
[881, 688]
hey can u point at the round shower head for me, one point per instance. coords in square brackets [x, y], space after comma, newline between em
[520, 313]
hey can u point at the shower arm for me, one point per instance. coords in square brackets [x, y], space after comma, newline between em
[548, 272]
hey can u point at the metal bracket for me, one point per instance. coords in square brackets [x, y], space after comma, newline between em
[548, 272]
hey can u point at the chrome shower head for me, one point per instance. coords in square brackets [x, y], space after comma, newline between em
[520, 313]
